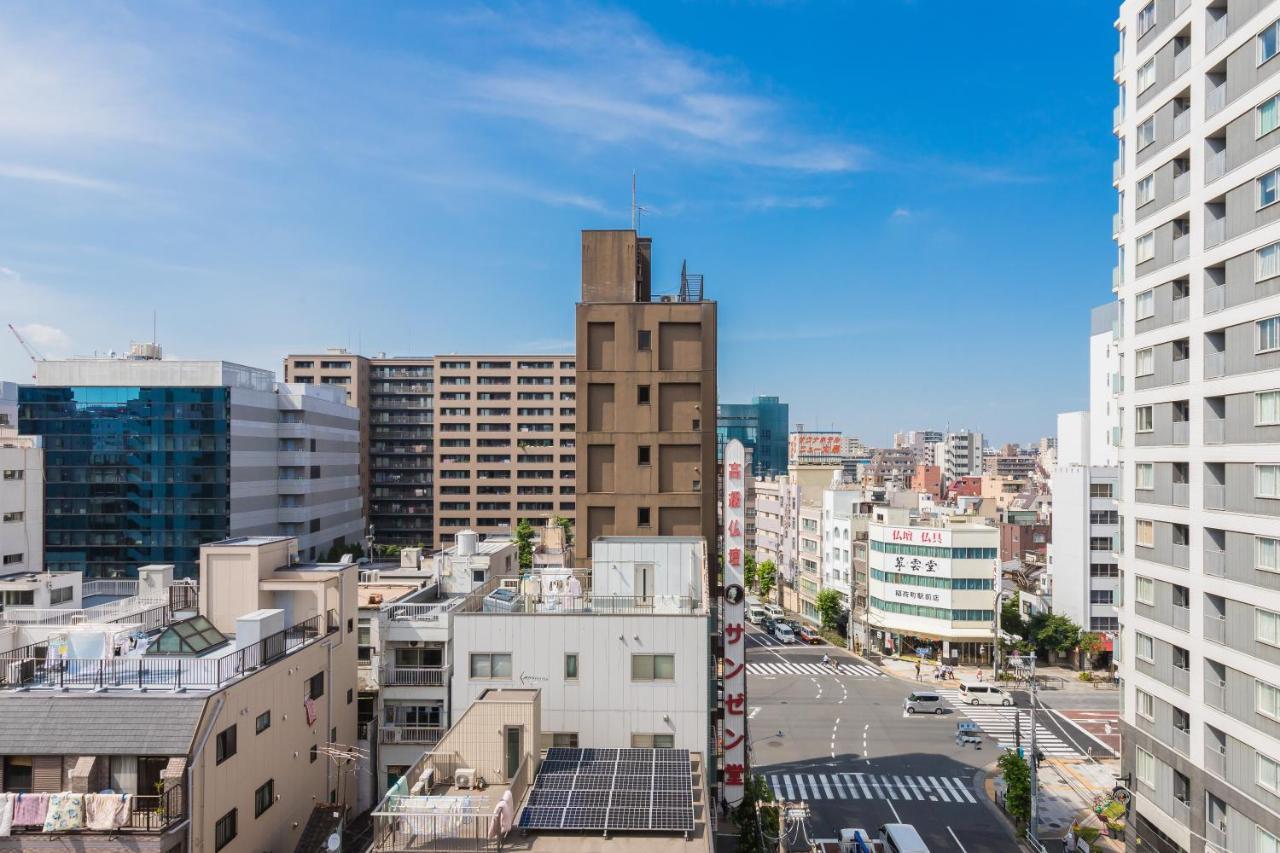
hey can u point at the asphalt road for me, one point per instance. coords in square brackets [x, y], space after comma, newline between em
[848, 750]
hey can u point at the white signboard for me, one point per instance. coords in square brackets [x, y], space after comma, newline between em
[733, 618]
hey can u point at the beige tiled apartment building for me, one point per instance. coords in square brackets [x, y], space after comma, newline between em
[457, 441]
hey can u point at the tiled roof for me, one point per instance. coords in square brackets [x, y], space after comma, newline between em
[97, 724]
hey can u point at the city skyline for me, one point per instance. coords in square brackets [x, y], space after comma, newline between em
[385, 164]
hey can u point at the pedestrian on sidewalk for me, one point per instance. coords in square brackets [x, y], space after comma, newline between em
[917, 670]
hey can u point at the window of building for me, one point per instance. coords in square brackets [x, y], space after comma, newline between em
[1146, 18]
[1267, 627]
[1268, 700]
[315, 752]
[1268, 334]
[1144, 476]
[263, 723]
[224, 831]
[653, 667]
[1267, 481]
[264, 797]
[1099, 490]
[226, 745]
[13, 473]
[1266, 408]
[564, 739]
[1144, 589]
[646, 740]
[642, 395]
[1145, 533]
[1145, 418]
[1144, 362]
[1101, 596]
[1267, 186]
[1146, 704]
[1145, 305]
[1268, 553]
[1267, 116]
[642, 516]
[1267, 40]
[571, 667]
[1145, 647]
[491, 665]
[643, 455]
[1104, 570]
[14, 516]
[1146, 75]
[1146, 133]
[315, 685]
[1267, 262]
[1267, 843]
[1104, 623]
[644, 340]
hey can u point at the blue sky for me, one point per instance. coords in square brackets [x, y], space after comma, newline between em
[902, 207]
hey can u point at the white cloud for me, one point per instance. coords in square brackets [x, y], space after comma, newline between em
[45, 338]
[772, 202]
[38, 174]
[901, 213]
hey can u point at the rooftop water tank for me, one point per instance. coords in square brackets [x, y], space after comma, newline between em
[467, 541]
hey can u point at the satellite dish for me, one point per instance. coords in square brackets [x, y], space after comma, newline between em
[334, 844]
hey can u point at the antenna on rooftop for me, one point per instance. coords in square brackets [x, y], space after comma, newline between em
[636, 210]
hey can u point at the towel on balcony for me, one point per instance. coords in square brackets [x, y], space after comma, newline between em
[309, 705]
[507, 809]
[29, 809]
[65, 812]
[107, 811]
[6, 814]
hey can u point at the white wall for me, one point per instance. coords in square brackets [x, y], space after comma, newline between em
[678, 565]
[604, 706]
[26, 496]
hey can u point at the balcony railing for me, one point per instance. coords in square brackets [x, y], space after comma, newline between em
[1215, 497]
[1181, 124]
[1182, 812]
[1117, 62]
[414, 676]
[1214, 33]
[1217, 836]
[1215, 562]
[1181, 494]
[1182, 247]
[1215, 231]
[1181, 309]
[1215, 761]
[1182, 742]
[1215, 628]
[1214, 364]
[1181, 371]
[1180, 6]
[114, 587]
[1215, 299]
[1117, 223]
[1181, 62]
[1117, 169]
[1215, 431]
[1215, 695]
[417, 735]
[1215, 166]
[1182, 679]
[1181, 432]
[149, 813]
[1180, 556]
[1182, 618]
[1117, 115]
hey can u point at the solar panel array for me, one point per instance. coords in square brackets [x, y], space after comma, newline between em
[631, 790]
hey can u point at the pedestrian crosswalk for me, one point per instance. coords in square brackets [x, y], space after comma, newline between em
[781, 668]
[870, 786]
[1000, 723]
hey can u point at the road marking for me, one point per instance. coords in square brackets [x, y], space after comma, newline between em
[804, 795]
[906, 794]
[914, 789]
[786, 780]
[754, 711]
[924, 786]
[895, 814]
[848, 780]
[956, 840]
[777, 791]
[940, 789]
[826, 788]
[835, 780]
[865, 791]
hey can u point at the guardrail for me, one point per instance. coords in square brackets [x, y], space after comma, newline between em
[414, 676]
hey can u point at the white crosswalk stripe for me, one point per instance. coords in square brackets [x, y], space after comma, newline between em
[999, 723]
[779, 668]
[871, 786]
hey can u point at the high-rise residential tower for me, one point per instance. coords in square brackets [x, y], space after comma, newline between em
[646, 388]
[1198, 286]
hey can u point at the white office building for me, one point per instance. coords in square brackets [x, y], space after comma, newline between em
[959, 454]
[1198, 287]
[21, 503]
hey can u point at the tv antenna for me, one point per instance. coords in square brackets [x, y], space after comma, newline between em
[636, 210]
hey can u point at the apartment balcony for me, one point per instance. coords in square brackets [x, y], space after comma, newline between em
[1117, 382]
[292, 458]
[1215, 761]
[1215, 99]
[1217, 835]
[1215, 628]
[1117, 278]
[1182, 247]
[1182, 618]
[1181, 496]
[390, 733]
[1215, 496]
[414, 676]
[1181, 369]
[1181, 309]
[1214, 365]
[1117, 170]
[1215, 166]
[293, 485]
[1215, 430]
[293, 514]
[1181, 6]
[1214, 33]
[150, 814]
[1215, 299]
[1180, 556]
[1117, 62]
[1181, 62]
[1182, 742]
[1181, 432]
[1215, 695]
[1182, 186]
[1117, 223]
[1181, 679]
[1117, 115]
[1182, 812]
[1182, 124]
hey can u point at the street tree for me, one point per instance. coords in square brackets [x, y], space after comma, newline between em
[524, 543]
[1017, 786]
[766, 578]
[749, 571]
[829, 605]
[1053, 633]
[1011, 621]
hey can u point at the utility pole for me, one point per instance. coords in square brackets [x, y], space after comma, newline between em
[995, 638]
[1034, 823]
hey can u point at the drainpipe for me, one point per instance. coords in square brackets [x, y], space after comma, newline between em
[197, 825]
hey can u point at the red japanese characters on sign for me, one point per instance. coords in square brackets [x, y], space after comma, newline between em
[920, 537]
[734, 615]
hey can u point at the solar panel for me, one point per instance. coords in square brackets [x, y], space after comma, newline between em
[612, 790]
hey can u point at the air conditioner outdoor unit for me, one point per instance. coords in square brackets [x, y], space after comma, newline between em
[464, 777]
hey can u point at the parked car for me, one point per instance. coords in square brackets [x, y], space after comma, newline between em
[924, 702]
[810, 636]
[768, 624]
[984, 694]
[783, 634]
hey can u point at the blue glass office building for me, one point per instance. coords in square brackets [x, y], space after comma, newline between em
[761, 425]
[132, 475]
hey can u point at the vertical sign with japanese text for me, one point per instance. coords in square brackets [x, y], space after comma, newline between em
[734, 615]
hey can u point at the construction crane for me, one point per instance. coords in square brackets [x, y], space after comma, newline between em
[32, 353]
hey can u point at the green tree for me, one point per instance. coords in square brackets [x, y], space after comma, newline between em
[1053, 633]
[524, 543]
[829, 605]
[752, 824]
[766, 577]
[567, 527]
[1090, 645]
[749, 571]
[1017, 787]
[1011, 621]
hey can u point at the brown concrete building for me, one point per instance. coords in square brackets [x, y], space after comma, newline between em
[646, 430]
[504, 449]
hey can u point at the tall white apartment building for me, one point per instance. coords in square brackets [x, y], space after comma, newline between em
[959, 454]
[1198, 287]
[21, 504]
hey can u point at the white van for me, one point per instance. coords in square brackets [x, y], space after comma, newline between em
[755, 614]
[983, 694]
[902, 838]
[775, 611]
[783, 633]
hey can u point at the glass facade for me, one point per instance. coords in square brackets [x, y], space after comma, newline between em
[132, 475]
[763, 426]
